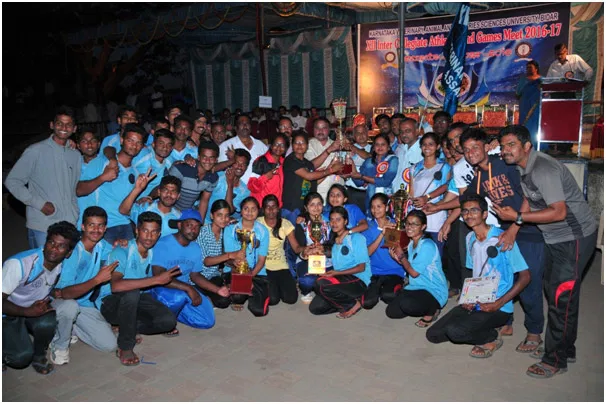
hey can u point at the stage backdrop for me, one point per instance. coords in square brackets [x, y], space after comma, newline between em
[308, 69]
[499, 44]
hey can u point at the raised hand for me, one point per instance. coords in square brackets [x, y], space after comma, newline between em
[111, 171]
[144, 179]
[105, 273]
[230, 153]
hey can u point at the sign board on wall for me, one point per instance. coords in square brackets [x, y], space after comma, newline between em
[499, 45]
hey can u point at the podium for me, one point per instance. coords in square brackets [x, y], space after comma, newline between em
[561, 112]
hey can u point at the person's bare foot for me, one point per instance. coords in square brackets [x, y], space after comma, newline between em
[128, 357]
[351, 312]
[506, 331]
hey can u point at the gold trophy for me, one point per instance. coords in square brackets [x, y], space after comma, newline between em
[340, 106]
[316, 264]
[241, 277]
[397, 237]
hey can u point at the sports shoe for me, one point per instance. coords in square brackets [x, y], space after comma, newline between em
[308, 297]
[59, 356]
[73, 340]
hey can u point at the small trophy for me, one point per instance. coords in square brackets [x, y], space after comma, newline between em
[316, 264]
[397, 237]
[241, 277]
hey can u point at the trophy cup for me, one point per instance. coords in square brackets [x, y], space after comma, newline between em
[340, 106]
[316, 264]
[397, 237]
[241, 277]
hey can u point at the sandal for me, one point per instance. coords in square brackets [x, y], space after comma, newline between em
[43, 366]
[547, 372]
[485, 353]
[129, 359]
[351, 312]
[527, 346]
[237, 307]
[540, 351]
[172, 334]
[422, 323]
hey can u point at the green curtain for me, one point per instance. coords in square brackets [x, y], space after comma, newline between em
[316, 78]
[235, 68]
[340, 74]
[274, 79]
[218, 87]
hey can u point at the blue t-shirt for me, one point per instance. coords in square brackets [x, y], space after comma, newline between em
[253, 252]
[90, 199]
[114, 141]
[111, 194]
[240, 193]
[147, 160]
[176, 155]
[354, 213]
[169, 253]
[505, 263]
[82, 266]
[174, 213]
[426, 260]
[381, 262]
[352, 252]
[131, 264]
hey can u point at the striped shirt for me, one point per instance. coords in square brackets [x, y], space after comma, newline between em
[191, 185]
[210, 248]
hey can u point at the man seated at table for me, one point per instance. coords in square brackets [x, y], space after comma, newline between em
[27, 281]
[476, 324]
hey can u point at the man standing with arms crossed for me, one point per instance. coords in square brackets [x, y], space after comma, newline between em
[558, 208]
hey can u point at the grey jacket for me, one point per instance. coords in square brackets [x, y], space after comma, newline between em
[46, 172]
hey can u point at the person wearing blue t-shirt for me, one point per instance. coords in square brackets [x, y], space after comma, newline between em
[427, 291]
[183, 126]
[111, 194]
[159, 123]
[229, 186]
[341, 289]
[180, 250]
[168, 192]
[387, 274]
[338, 196]
[83, 283]
[126, 115]
[156, 159]
[476, 324]
[128, 308]
[88, 144]
[256, 253]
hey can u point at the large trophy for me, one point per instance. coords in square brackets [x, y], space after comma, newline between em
[241, 277]
[397, 237]
[340, 107]
[316, 264]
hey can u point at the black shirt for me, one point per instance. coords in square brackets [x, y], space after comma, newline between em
[296, 188]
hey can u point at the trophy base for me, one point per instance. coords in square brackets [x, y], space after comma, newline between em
[316, 264]
[347, 169]
[241, 284]
[395, 238]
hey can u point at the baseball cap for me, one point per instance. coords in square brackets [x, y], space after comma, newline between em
[185, 215]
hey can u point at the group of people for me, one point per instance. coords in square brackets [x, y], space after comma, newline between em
[138, 232]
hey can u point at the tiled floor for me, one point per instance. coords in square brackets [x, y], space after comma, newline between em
[291, 355]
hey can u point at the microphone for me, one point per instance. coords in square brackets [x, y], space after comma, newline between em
[491, 252]
[436, 176]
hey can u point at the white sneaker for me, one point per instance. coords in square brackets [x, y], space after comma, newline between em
[308, 297]
[73, 340]
[59, 356]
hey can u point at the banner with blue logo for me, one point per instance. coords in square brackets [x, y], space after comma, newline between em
[499, 44]
[454, 54]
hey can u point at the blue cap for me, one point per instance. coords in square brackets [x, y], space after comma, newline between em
[185, 215]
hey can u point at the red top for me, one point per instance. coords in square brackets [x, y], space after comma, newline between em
[260, 186]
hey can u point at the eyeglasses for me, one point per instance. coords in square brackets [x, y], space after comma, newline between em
[472, 211]
[413, 224]
[299, 143]
[282, 145]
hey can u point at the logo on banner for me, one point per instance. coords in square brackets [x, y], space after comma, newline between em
[523, 50]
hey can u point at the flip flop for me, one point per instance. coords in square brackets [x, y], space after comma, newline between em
[171, 334]
[237, 307]
[485, 352]
[43, 366]
[547, 372]
[422, 323]
[123, 360]
[533, 344]
[540, 351]
[348, 314]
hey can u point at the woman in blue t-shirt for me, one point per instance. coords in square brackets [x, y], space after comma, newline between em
[338, 196]
[427, 291]
[256, 253]
[387, 274]
[341, 289]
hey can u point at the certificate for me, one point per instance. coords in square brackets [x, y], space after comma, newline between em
[316, 264]
[480, 290]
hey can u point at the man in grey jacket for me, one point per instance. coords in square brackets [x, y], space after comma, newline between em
[45, 178]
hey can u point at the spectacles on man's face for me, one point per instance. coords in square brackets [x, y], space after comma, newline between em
[470, 211]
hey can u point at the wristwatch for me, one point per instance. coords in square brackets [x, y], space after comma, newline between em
[519, 221]
[350, 232]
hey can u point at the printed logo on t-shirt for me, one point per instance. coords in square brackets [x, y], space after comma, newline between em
[305, 188]
[500, 189]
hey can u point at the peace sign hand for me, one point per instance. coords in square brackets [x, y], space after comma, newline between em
[144, 179]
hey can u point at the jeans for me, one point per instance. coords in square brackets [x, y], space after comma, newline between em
[134, 312]
[36, 238]
[86, 323]
[306, 282]
[291, 216]
[123, 231]
[18, 350]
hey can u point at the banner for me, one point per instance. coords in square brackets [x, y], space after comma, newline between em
[454, 53]
[499, 44]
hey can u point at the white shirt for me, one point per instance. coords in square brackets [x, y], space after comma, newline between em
[574, 64]
[358, 161]
[258, 149]
[407, 157]
[11, 275]
[299, 122]
[314, 150]
[421, 183]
